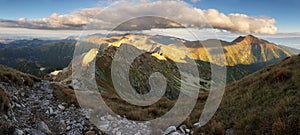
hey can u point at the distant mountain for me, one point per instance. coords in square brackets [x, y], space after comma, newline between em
[246, 50]
[5, 41]
[252, 53]
[290, 49]
[208, 42]
[268, 98]
[38, 59]
[250, 49]
[26, 43]
[33, 42]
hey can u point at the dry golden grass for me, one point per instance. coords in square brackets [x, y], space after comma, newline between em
[266, 102]
[137, 113]
[64, 93]
[4, 101]
[14, 77]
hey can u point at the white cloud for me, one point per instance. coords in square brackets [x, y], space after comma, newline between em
[177, 11]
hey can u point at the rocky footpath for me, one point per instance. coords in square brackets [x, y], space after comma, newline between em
[34, 110]
[122, 126]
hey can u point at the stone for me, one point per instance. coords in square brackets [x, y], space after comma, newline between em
[36, 132]
[138, 133]
[114, 125]
[104, 125]
[118, 133]
[102, 118]
[74, 132]
[170, 130]
[68, 128]
[42, 126]
[18, 105]
[22, 94]
[90, 133]
[51, 110]
[18, 132]
[5, 117]
[61, 107]
[229, 131]
[82, 122]
[175, 133]
[110, 118]
[63, 125]
[15, 98]
[183, 128]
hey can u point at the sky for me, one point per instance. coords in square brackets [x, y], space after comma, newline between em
[34, 9]
[277, 20]
[286, 12]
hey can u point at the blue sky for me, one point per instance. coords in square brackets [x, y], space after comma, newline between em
[34, 9]
[71, 15]
[284, 11]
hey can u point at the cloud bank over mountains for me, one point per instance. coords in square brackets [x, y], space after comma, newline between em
[100, 18]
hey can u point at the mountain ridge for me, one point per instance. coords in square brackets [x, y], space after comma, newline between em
[243, 50]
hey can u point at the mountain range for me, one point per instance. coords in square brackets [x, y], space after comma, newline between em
[243, 56]
[262, 81]
[249, 53]
[162, 54]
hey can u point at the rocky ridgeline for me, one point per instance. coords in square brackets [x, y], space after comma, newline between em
[34, 110]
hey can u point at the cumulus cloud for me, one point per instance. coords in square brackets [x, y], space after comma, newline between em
[176, 11]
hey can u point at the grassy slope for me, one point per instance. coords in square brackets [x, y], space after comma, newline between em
[266, 102]
[4, 101]
[14, 77]
[64, 93]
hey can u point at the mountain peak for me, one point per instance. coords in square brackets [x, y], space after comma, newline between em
[248, 38]
[251, 37]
